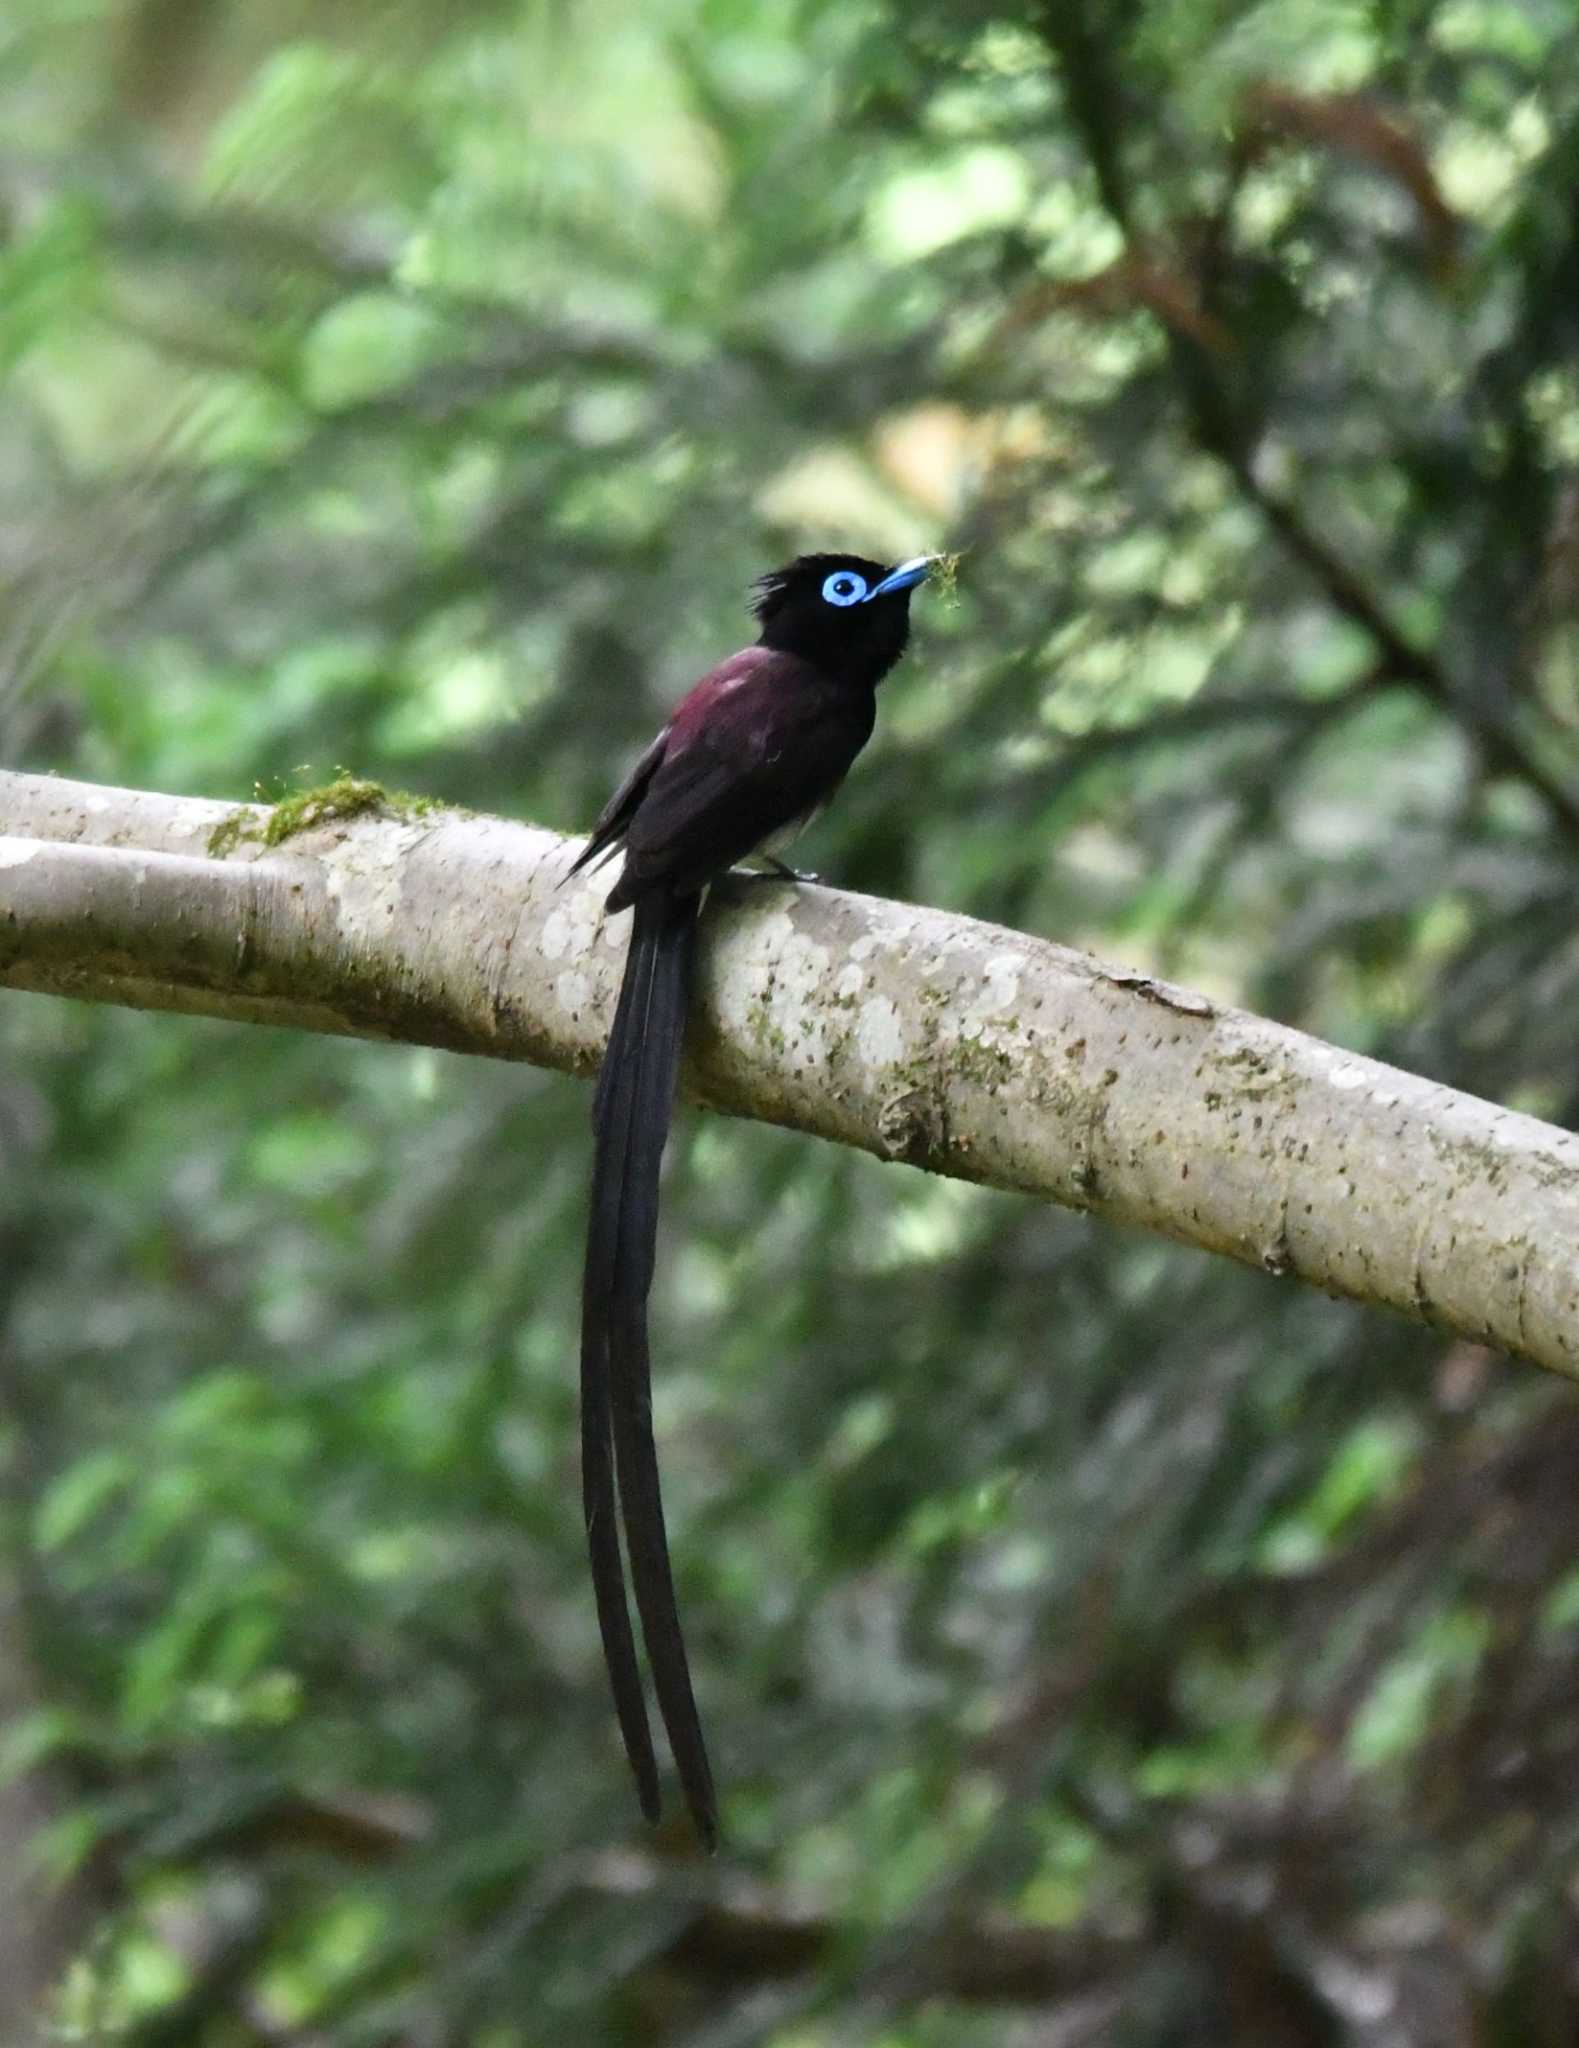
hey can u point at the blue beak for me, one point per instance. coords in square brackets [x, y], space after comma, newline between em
[905, 577]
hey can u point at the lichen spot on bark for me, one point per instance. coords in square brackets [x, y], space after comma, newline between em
[879, 1032]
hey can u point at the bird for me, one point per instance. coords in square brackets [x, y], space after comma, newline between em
[749, 757]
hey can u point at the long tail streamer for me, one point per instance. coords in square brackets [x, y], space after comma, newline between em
[619, 1460]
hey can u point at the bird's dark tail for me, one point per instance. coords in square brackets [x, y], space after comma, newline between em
[619, 1462]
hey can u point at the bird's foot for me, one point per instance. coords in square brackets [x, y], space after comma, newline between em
[775, 870]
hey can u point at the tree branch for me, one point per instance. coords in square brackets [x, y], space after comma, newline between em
[1082, 43]
[950, 1044]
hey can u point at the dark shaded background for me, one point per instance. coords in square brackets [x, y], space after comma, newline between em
[1100, 1645]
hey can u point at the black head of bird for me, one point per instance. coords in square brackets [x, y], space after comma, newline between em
[847, 614]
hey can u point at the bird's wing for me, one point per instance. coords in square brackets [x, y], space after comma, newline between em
[612, 821]
[752, 755]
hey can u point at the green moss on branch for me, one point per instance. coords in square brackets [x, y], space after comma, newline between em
[348, 796]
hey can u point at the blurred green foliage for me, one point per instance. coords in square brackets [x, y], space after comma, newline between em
[1099, 1644]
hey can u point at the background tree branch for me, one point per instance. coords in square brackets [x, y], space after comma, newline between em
[936, 1040]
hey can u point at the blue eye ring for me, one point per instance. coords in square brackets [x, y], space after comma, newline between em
[843, 587]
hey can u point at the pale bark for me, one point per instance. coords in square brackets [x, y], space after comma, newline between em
[919, 1036]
